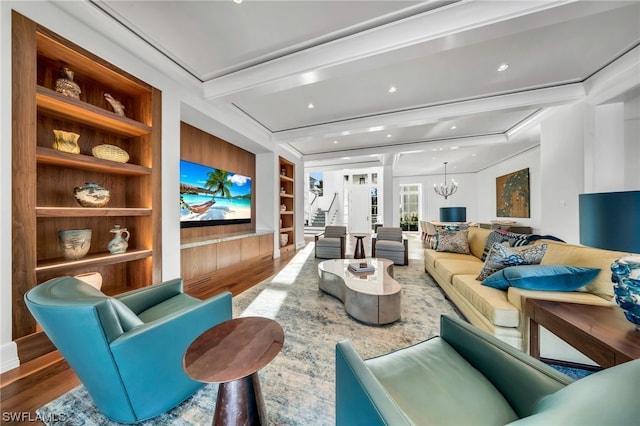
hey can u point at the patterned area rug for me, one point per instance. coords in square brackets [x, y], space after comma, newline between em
[299, 384]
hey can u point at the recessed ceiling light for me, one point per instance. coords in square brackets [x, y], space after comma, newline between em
[454, 127]
[433, 158]
[376, 128]
[473, 155]
[503, 67]
[237, 1]
[392, 89]
[454, 147]
[346, 158]
[310, 106]
[335, 141]
[388, 135]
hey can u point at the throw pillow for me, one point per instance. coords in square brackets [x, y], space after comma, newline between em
[542, 277]
[454, 242]
[502, 256]
[499, 236]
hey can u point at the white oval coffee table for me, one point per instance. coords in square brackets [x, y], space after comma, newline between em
[370, 297]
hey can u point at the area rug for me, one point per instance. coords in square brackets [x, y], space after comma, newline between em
[299, 384]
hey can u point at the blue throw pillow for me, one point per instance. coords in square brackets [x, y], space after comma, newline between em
[542, 277]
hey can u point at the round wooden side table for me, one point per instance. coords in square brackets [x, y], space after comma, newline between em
[231, 353]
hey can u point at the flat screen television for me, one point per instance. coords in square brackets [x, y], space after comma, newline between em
[210, 196]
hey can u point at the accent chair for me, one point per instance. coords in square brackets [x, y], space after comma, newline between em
[388, 243]
[127, 350]
[331, 243]
[431, 233]
[467, 377]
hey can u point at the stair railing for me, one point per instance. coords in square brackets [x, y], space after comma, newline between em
[330, 214]
[313, 206]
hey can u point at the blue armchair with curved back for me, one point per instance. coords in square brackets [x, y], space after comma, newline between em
[127, 350]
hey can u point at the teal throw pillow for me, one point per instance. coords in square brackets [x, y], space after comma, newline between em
[542, 277]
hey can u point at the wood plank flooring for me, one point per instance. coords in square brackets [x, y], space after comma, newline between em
[35, 383]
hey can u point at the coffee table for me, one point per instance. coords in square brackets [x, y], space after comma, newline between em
[231, 353]
[370, 297]
[602, 333]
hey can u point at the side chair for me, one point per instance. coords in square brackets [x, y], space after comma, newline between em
[388, 243]
[331, 243]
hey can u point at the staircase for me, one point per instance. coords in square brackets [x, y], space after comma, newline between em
[318, 219]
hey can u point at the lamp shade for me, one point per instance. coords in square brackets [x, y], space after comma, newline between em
[610, 220]
[453, 214]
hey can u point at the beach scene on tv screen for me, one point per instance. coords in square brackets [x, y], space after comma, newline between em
[207, 194]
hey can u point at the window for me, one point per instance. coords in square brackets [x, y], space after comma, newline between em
[409, 206]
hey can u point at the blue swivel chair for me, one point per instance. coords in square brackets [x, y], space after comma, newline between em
[127, 350]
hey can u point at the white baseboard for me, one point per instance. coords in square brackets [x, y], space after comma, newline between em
[9, 356]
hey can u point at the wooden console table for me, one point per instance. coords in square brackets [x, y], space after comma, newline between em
[602, 333]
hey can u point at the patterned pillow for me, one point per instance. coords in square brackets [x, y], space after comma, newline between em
[454, 242]
[499, 236]
[501, 256]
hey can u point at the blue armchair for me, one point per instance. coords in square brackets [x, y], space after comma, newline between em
[466, 376]
[127, 350]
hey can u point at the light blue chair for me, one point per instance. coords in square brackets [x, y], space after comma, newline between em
[127, 350]
[467, 377]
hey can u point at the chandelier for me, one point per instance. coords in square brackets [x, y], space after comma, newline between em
[444, 189]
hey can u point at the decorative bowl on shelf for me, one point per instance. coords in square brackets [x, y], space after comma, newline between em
[626, 286]
[110, 152]
[92, 195]
[75, 243]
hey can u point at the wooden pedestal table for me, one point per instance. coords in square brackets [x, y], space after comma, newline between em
[371, 297]
[359, 251]
[231, 353]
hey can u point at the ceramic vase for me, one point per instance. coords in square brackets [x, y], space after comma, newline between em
[626, 287]
[120, 241]
[75, 243]
[284, 239]
[66, 141]
[92, 195]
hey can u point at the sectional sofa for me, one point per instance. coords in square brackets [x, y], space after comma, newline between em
[501, 312]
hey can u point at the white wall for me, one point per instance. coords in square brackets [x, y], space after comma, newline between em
[486, 188]
[431, 202]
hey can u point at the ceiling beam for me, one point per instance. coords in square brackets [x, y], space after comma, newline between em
[312, 65]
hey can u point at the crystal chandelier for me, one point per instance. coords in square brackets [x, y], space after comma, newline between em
[444, 189]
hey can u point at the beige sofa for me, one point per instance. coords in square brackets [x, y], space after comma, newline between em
[500, 312]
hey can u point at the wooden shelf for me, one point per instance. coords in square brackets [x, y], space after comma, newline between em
[97, 259]
[286, 229]
[286, 178]
[87, 162]
[90, 212]
[41, 206]
[68, 108]
[284, 195]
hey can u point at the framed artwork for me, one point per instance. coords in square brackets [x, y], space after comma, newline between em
[512, 194]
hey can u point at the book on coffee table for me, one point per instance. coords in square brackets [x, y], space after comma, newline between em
[361, 267]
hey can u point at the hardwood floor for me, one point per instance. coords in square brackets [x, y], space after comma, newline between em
[33, 384]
